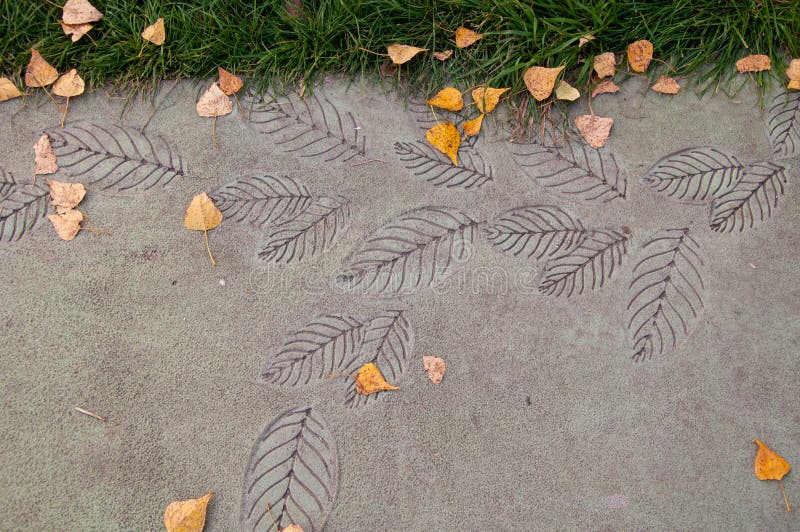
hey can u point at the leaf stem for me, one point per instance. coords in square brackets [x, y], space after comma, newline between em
[785, 500]
[208, 248]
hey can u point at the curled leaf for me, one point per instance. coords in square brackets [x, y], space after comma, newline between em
[187, 516]
[445, 138]
[155, 33]
[639, 55]
[435, 367]
[605, 87]
[583, 41]
[229, 83]
[8, 90]
[465, 37]
[75, 30]
[80, 12]
[67, 195]
[66, 222]
[486, 99]
[565, 91]
[39, 73]
[402, 53]
[595, 129]
[69, 84]
[666, 85]
[541, 80]
[605, 64]
[448, 98]
[44, 157]
[369, 380]
[214, 102]
[473, 127]
[443, 56]
[753, 63]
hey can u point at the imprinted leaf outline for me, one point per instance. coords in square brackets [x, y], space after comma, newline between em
[695, 174]
[22, 206]
[783, 123]
[752, 200]
[434, 167]
[535, 231]
[262, 199]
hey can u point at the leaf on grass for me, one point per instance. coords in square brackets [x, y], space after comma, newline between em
[583, 41]
[639, 55]
[67, 222]
[793, 72]
[486, 99]
[69, 84]
[155, 33]
[187, 516]
[67, 195]
[595, 129]
[473, 127]
[214, 103]
[39, 73]
[75, 30]
[8, 90]
[666, 85]
[753, 63]
[445, 138]
[443, 56]
[202, 214]
[369, 380]
[402, 53]
[605, 87]
[435, 367]
[44, 157]
[466, 37]
[565, 91]
[229, 83]
[769, 465]
[605, 64]
[80, 12]
[448, 98]
[541, 80]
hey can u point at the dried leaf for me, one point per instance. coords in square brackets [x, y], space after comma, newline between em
[8, 90]
[666, 85]
[69, 84]
[214, 103]
[486, 99]
[639, 55]
[443, 56]
[541, 80]
[793, 72]
[202, 214]
[465, 37]
[402, 53]
[605, 87]
[605, 64]
[448, 98]
[369, 380]
[229, 83]
[39, 73]
[80, 12]
[445, 138]
[75, 30]
[155, 33]
[435, 367]
[753, 63]
[44, 157]
[473, 127]
[769, 465]
[794, 85]
[565, 91]
[187, 516]
[585, 40]
[595, 129]
[67, 195]
[67, 222]
[292, 528]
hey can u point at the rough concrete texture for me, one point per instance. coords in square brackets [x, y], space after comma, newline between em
[543, 420]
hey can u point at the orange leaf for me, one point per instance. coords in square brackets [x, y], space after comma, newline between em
[753, 63]
[541, 80]
[639, 55]
[8, 90]
[292, 528]
[666, 85]
[80, 12]
[487, 99]
[605, 87]
[445, 138]
[155, 33]
[44, 157]
[448, 98]
[75, 30]
[187, 516]
[67, 195]
[402, 53]
[214, 102]
[443, 56]
[229, 83]
[595, 129]
[435, 367]
[203, 215]
[69, 84]
[769, 465]
[39, 73]
[465, 37]
[369, 380]
[605, 64]
[67, 222]
[565, 91]
[794, 85]
[473, 127]
[793, 72]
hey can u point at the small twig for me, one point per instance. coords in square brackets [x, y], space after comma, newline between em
[90, 414]
[788, 508]
[239, 105]
[214, 133]
[367, 162]
[64, 118]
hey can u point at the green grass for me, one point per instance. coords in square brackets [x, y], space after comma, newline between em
[262, 41]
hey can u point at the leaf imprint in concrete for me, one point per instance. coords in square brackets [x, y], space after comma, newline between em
[535, 231]
[695, 174]
[784, 124]
[753, 199]
[434, 167]
[262, 199]
[23, 205]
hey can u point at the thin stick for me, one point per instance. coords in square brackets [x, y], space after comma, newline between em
[273, 519]
[214, 132]
[90, 414]
[64, 118]
[367, 162]
[371, 52]
[142, 50]
[239, 105]
[788, 508]
[208, 248]
[350, 375]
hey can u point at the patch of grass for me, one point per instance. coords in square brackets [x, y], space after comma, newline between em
[265, 41]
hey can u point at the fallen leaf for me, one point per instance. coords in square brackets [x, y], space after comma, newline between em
[769, 465]
[39, 73]
[69, 84]
[486, 99]
[369, 380]
[214, 103]
[387, 69]
[465, 37]
[639, 55]
[473, 127]
[292, 528]
[753, 63]
[605, 64]
[448, 98]
[67, 222]
[435, 367]
[605, 87]
[75, 30]
[187, 516]
[541, 80]
[595, 129]
[67, 195]
[445, 138]
[443, 56]
[402, 53]
[155, 33]
[203, 215]
[44, 157]
[666, 85]
[583, 41]
[794, 84]
[229, 83]
[8, 90]
[565, 91]
[793, 72]
[80, 12]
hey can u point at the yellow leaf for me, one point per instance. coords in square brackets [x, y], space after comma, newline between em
[583, 41]
[214, 102]
[229, 83]
[187, 516]
[44, 157]
[794, 85]
[793, 72]
[69, 84]
[595, 129]
[293, 528]
[753, 63]
[155, 33]
[67, 222]
[39, 73]
[541, 80]
[769, 465]
[605, 87]
[473, 127]
[487, 99]
[75, 30]
[435, 367]
[666, 85]
[369, 380]
[203, 215]
[402, 53]
[445, 138]
[67, 195]
[605, 64]
[565, 91]
[8, 90]
[448, 98]
[443, 56]
[639, 55]
[80, 12]
[465, 37]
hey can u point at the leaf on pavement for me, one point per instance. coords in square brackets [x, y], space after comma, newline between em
[753, 63]
[67, 222]
[203, 215]
[595, 129]
[445, 138]
[605, 87]
[69, 84]
[435, 367]
[666, 85]
[448, 98]
[187, 516]
[369, 380]
[44, 157]
[565, 91]
[473, 127]
[486, 99]
[214, 103]
[605, 64]
[67, 195]
[229, 83]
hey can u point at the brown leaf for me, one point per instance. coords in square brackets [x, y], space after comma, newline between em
[387, 69]
[541, 80]
[435, 367]
[794, 85]
[39, 73]
[67, 222]
[155, 33]
[793, 72]
[595, 129]
[369, 380]
[639, 55]
[666, 85]
[473, 127]
[75, 30]
[753, 63]
[214, 103]
[605, 87]
[565, 91]
[443, 56]
[605, 64]
[486, 99]
[44, 157]
[583, 41]
[8, 90]
[187, 516]
[465, 37]
[67, 195]
[229, 83]
[293, 528]
[448, 98]
[402, 53]
[69, 84]
[445, 138]
[80, 12]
